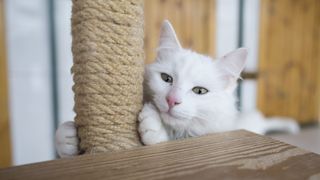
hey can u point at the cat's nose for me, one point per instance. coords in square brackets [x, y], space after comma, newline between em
[172, 101]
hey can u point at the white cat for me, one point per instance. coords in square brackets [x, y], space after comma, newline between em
[187, 94]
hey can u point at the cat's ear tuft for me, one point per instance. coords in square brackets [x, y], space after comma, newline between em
[168, 37]
[234, 62]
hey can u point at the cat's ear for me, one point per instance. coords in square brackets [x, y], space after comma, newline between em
[168, 37]
[234, 62]
[231, 65]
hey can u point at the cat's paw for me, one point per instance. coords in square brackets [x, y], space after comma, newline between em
[151, 128]
[67, 142]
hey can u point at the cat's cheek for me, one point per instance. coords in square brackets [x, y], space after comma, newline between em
[161, 104]
[160, 90]
[160, 99]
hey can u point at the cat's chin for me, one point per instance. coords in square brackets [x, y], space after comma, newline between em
[172, 114]
[175, 121]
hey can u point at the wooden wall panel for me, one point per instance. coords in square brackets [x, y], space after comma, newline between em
[289, 61]
[5, 145]
[193, 21]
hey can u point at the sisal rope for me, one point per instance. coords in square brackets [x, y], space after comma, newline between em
[108, 61]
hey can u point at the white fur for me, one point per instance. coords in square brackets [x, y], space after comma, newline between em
[254, 121]
[67, 140]
[196, 114]
[151, 128]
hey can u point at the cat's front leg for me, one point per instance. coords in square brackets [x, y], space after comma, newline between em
[151, 128]
[66, 141]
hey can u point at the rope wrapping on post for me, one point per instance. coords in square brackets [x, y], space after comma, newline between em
[108, 59]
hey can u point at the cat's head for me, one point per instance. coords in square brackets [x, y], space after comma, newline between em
[186, 86]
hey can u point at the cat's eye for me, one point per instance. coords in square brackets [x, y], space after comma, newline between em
[200, 90]
[166, 78]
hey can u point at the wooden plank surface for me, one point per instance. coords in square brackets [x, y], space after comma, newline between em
[5, 143]
[194, 22]
[289, 59]
[231, 155]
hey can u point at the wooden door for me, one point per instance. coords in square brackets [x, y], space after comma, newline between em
[193, 21]
[5, 145]
[289, 60]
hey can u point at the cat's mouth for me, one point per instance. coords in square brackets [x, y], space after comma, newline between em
[171, 113]
[176, 114]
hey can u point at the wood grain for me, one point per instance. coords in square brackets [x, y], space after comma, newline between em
[230, 155]
[288, 83]
[194, 22]
[5, 144]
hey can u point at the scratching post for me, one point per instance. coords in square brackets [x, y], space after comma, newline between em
[108, 68]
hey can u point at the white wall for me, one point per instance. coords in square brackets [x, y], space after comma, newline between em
[30, 77]
[29, 80]
[227, 40]
[250, 41]
[64, 58]
[251, 32]
[227, 26]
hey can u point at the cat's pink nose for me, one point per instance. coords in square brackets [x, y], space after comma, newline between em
[172, 101]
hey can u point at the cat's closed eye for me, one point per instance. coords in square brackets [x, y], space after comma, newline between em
[166, 78]
[200, 90]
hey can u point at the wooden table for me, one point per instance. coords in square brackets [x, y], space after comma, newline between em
[230, 155]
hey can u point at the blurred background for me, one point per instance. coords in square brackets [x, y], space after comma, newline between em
[282, 77]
